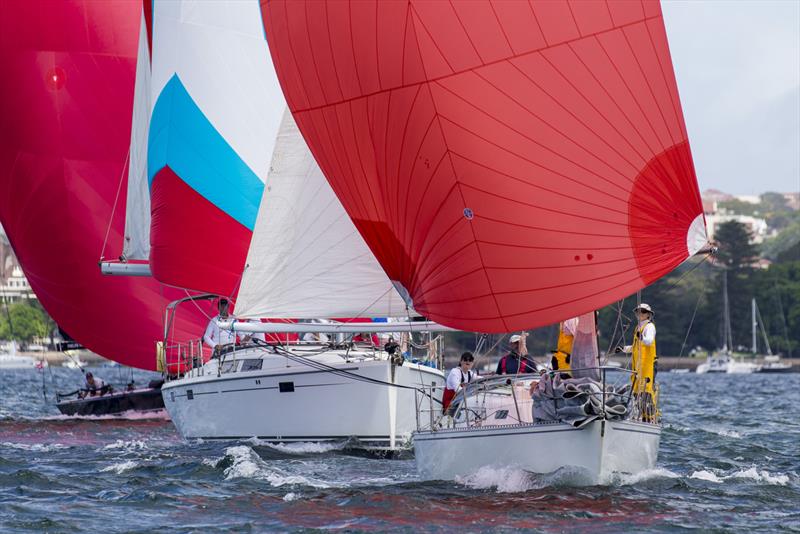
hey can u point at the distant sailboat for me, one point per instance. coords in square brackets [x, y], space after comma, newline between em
[771, 362]
[723, 361]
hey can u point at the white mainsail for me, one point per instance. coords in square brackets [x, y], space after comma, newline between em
[306, 258]
[137, 210]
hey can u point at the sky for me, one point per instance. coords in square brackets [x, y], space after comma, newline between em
[738, 69]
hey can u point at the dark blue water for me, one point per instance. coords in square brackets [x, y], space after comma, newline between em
[729, 461]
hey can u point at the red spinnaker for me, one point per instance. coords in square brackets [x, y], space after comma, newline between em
[68, 72]
[510, 164]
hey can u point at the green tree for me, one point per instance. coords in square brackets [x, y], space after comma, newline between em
[736, 255]
[27, 322]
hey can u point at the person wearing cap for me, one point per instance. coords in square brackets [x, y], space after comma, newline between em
[562, 355]
[644, 358]
[215, 337]
[458, 376]
[516, 361]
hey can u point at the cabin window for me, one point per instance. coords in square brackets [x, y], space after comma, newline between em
[189, 394]
[285, 387]
[501, 414]
[228, 367]
[251, 365]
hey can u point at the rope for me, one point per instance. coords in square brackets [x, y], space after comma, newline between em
[114, 206]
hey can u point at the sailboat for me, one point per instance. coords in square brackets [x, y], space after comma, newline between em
[510, 165]
[66, 129]
[723, 361]
[235, 205]
[771, 362]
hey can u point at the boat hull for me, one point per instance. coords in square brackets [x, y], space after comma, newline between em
[140, 400]
[300, 403]
[600, 449]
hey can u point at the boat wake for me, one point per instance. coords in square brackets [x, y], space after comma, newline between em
[752, 473]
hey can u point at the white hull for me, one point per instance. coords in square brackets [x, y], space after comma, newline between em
[289, 401]
[727, 365]
[600, 449]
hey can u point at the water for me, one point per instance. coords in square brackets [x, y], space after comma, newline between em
[729, 461]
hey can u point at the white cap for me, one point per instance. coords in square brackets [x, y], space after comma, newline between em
[643, 307]
[515, 338]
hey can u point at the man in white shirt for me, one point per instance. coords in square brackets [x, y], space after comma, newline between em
[215, 337]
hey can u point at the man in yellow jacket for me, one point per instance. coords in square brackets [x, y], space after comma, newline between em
[644, 360]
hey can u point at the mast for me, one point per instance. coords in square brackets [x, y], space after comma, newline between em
[763, 330]
[755, 340]
[726, 315]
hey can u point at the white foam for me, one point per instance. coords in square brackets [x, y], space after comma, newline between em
[121, 467]
[751, 473]
[247, 464]
[289, 497]
[35, 447]
[307, 447]
[707, 476]
[724, 432]
[505, 479]
[132, 445]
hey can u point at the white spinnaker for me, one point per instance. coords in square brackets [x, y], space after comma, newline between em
[306, 258]
[219, 51]
[137, 209]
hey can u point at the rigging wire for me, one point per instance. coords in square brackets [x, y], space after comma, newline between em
[114, 206]
[691, 322]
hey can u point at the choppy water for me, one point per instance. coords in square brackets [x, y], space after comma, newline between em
[729, 461]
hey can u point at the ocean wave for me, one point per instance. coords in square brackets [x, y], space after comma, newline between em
[504, 479]
[724, 432]
[158, 415]
[752, 473]
[643, 476]
[301, 447]
[121, 467]
[127, 445]
[247, 464]
[35, 447]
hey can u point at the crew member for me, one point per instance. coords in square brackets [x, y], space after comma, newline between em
[563, 353]
[644, 360]
[95, 386]
[516, 361]
[458, 376]
[215, 337]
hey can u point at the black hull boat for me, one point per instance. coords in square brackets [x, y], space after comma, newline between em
[139, 400]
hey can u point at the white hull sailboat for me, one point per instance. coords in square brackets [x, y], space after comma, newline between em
[301, 393]
[599, 449]
[724, 361]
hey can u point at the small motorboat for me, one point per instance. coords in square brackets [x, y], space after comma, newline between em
[106, 401]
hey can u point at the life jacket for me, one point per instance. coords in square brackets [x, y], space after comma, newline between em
[563, 352]
[644, 361]
[449, 394]
[521, 366]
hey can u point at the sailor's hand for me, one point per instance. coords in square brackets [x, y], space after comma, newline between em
[617, 350]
